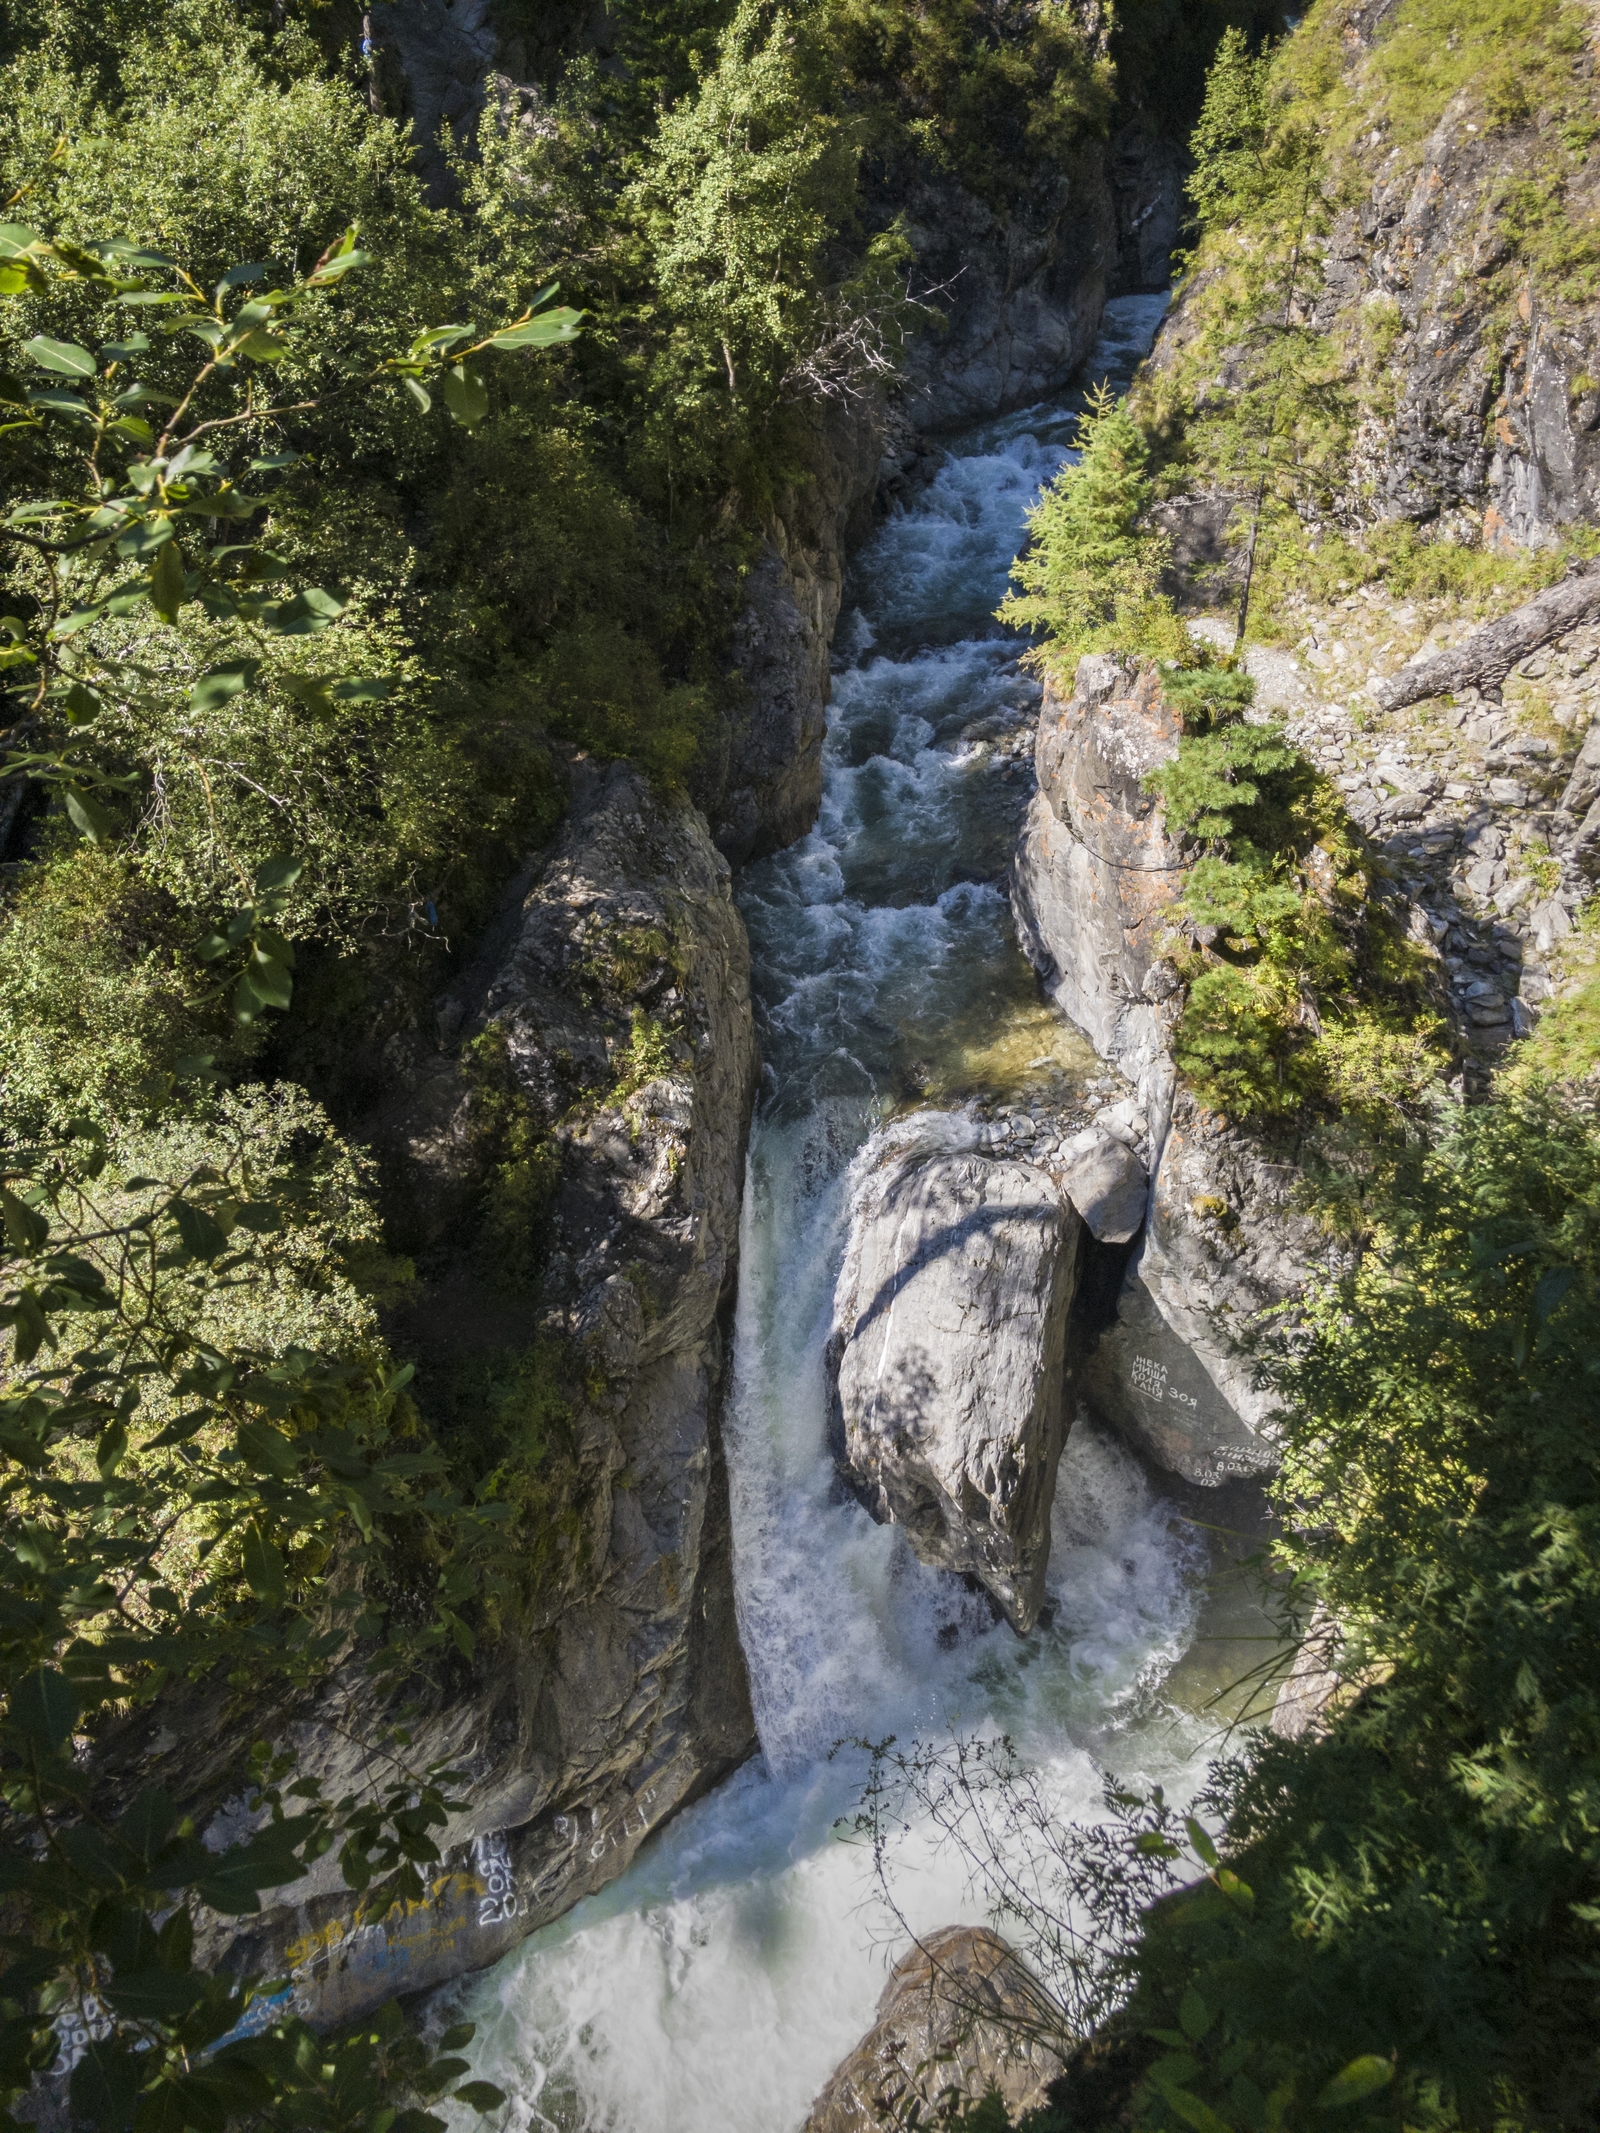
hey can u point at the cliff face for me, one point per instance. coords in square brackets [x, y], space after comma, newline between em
[1454, 279]
[619, 1691]
[1494, 413]
[1094, 873]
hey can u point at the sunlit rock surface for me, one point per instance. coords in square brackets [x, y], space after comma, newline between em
[949, 1352]
[956, 2014]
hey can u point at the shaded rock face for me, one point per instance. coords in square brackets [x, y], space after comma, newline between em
[960, 2012]
[769, 783]
[622, 1694]
[434, 60]
[1222, 1245]
[948, 1361]
[1021, 294]
[1147, 172]
[1094, 874]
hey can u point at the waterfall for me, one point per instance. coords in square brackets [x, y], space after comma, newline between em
[715, 1985]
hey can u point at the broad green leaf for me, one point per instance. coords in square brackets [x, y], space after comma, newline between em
[419, 392]
[61, 402]
[64, 356]
[241, 276]
[26, 1229]
[458, 2036]
[1205, 1850]
[203, 1237]
[479, 2095]
[147, 1824]
[337, 263]
[306, 614]
[464, 394]
[44, 1707]
[1193, 2112]
[1194, 2017]
[269, 980]
[263, 1568]
[359, 691]
[219, 683]
[180, 1431]
[166, 582]
[87, 815]
[1362, 2077]
[16, 237]
[263, 347]
[541, 331]
[30, 1327]
[105, 2086]
[146, 537]
[281, 871]
[267, 1449]
[1552, 1288]
[82, 703]
[112, 1448]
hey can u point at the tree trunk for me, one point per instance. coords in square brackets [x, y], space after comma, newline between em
[1489, 654]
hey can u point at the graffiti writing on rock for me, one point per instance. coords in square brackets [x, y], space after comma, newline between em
[596, 1839]
[491, 1860]
[1150, 1377]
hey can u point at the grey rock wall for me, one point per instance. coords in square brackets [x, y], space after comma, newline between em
[1094, 874]
[622, 1693]
[948, 1360]
[1021, 294]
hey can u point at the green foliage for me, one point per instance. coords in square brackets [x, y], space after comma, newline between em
[1090, 577]
[1411, 565]
[1301, 996]
[1219, 777]
[519, 1168]
[1513, 60]
[746, 183]
[182, 1475]
[505, 1417]
[99, 986]
[1426, 1874]
[989, 96]
[1566, 1045]
[210, 1473]
[1278, 437]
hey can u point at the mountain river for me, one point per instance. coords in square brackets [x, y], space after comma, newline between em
[714, 1987]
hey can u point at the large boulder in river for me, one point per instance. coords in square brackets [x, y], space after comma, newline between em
[1094, 875]
[948, 1360]
[963, 2013]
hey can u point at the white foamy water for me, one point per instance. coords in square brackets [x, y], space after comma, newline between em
[715, 1985]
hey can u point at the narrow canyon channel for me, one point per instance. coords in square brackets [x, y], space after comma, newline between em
[713, 1987]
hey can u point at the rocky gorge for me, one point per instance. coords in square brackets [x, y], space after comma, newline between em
[954, 1374]
[795, 1209]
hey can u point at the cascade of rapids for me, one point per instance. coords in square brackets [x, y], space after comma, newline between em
[715, 1986]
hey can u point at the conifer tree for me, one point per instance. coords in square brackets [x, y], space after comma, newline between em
[1091, 575]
